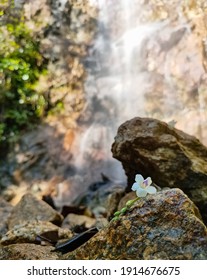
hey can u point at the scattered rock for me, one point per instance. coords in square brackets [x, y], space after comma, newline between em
[103, 199]
[169, 156]
[30, 208]
[162, 226]
[28, 252]
[28, 232]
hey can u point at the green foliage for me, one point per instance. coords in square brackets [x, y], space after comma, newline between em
[21, 65]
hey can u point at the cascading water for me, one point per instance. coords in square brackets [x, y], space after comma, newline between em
[143, 63]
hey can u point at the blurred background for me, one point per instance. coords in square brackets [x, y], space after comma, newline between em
[72, 71]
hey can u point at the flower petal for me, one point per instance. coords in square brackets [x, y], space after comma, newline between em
[141, 192]
[151, 190]
[135, 186]
[139, 179]
[149, 181]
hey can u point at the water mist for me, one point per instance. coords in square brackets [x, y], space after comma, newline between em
[141, 64]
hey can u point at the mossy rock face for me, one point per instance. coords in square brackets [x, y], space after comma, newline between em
[169, 156]
[43, 44]
[162, 226]
[21, 65]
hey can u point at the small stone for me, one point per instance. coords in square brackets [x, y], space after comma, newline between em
[29, 231]
[29, 209]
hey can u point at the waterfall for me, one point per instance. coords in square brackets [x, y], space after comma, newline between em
[144, 62]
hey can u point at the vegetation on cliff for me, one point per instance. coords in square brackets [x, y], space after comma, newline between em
[21, 65]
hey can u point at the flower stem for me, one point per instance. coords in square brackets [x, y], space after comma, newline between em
[128, 205]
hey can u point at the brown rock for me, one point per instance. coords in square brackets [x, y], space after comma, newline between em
[169, 156]
[28, 232]
[163, 226]
[27, 252]
[30, 208]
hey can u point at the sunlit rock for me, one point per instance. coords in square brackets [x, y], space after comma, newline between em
[27, 251]
[169, 156]
[29, 232]
[162, 226]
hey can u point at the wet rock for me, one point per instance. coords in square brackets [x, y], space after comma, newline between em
[28, 252]
[162, 226]
[28, 232]
[30, 208]
[169, 156]
[5, 210]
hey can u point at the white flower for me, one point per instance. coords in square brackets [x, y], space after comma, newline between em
[143, 186]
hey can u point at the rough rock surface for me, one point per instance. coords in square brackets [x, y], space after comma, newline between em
[28, 251]
[65, 30]
[28, 232]
[163, 226]
[30, 208]
[169, 156]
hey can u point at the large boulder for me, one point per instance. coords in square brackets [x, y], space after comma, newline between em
[169, 156]
[164, 226]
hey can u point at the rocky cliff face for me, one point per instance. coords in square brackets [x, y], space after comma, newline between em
[65, 30]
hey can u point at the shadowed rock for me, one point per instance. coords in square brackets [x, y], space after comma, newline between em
[163, 226]
[169, 156]
[5, 210]
[73, 221]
